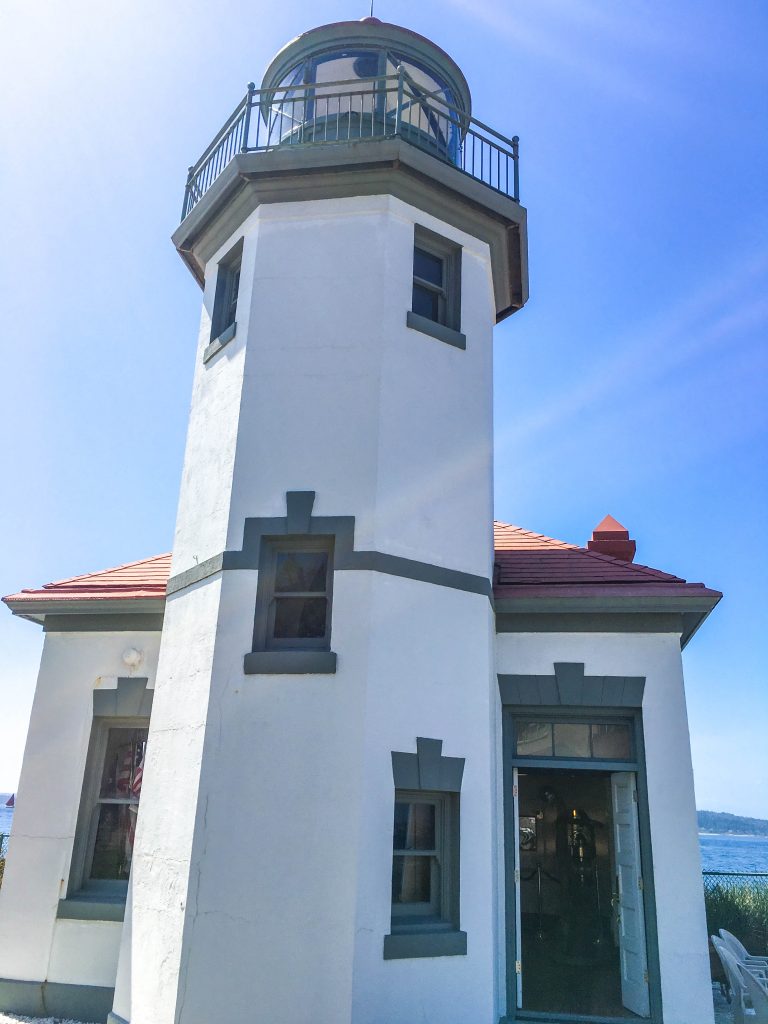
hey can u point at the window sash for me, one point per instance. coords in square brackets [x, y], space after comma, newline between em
[439, 911]
[268, 597]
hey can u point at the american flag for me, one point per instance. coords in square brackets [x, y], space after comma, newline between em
[138, 775]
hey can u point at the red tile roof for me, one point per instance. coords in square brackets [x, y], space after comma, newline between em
[526, 564]
[134, 581]
[532, 564]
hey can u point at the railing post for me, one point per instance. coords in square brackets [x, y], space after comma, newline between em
[516, 169]
[247, 122]
[400, 72]
[187, 193]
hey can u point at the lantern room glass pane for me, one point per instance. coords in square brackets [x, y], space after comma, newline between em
[571, 739]
[534, 739]
[611, 741]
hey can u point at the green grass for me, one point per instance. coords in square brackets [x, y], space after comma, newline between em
[741, 909]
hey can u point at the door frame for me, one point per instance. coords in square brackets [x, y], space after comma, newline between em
[573, 713]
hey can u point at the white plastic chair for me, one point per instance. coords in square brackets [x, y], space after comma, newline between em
[758, 996]
[736, 980]
[739, 950]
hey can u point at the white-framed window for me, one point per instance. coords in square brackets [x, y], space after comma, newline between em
[295, 591]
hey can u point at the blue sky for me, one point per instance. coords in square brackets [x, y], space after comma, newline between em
[634, 382]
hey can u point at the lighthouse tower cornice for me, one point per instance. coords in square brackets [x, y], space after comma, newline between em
[355, 109]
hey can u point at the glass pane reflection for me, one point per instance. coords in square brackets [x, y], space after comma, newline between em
[611, 741]
[301, 571]
[300, 617]
[414, 827]
[115, 833]
[571, 739]
[534, 739]
[412, 879]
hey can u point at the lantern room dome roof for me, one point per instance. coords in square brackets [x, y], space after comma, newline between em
[354, 41]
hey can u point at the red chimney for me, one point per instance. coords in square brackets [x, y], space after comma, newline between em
[610, 538]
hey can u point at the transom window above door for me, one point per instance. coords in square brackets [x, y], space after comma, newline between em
[610, 741]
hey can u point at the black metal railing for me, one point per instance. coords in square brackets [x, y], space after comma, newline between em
[393, 106]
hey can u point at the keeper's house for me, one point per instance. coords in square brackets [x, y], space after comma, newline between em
[350, 755]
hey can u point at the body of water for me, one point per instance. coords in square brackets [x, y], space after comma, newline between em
[6, 815]
[718, 852]
[734, 853]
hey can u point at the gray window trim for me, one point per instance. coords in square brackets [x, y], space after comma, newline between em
[88, 897]
[437, 779]
[222, 327]
[300, 520]
[435, 330]
[447, 327]
[218, 343]
[514, 709]
[571, 687]
[266, 596]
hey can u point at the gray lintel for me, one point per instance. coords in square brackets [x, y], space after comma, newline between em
[435, 330]
[131, 699]
[570, 687]
[299, 520]
[289, 663]
[427, 769]
[424, 944]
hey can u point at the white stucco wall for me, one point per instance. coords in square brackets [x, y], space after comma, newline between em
[34, 945]
[326, 389]
[685, 982]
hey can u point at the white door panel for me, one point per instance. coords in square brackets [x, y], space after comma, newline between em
[630, 912]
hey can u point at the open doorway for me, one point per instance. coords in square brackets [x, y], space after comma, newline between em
[580, 920]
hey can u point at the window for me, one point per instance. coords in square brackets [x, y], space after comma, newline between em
[293, 605]
[223, 321]
[423, 852]
[436, 296]
[117, 804]
[608, 740]
[109, 806]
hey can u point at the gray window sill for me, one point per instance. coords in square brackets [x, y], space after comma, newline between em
[424, 944]
[435, 330]
[290, 663]
[218, 343]
[85, 906]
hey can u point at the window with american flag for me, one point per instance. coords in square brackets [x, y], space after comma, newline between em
[113, 827]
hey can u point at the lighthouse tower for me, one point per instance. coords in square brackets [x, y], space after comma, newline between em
[326, 665]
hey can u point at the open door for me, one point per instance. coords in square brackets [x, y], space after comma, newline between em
[518, 914]
[628, 895]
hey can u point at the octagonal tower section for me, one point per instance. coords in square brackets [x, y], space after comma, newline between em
[357, 234]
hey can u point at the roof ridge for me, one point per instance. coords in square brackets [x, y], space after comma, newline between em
[536, 536]
[639, 567]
